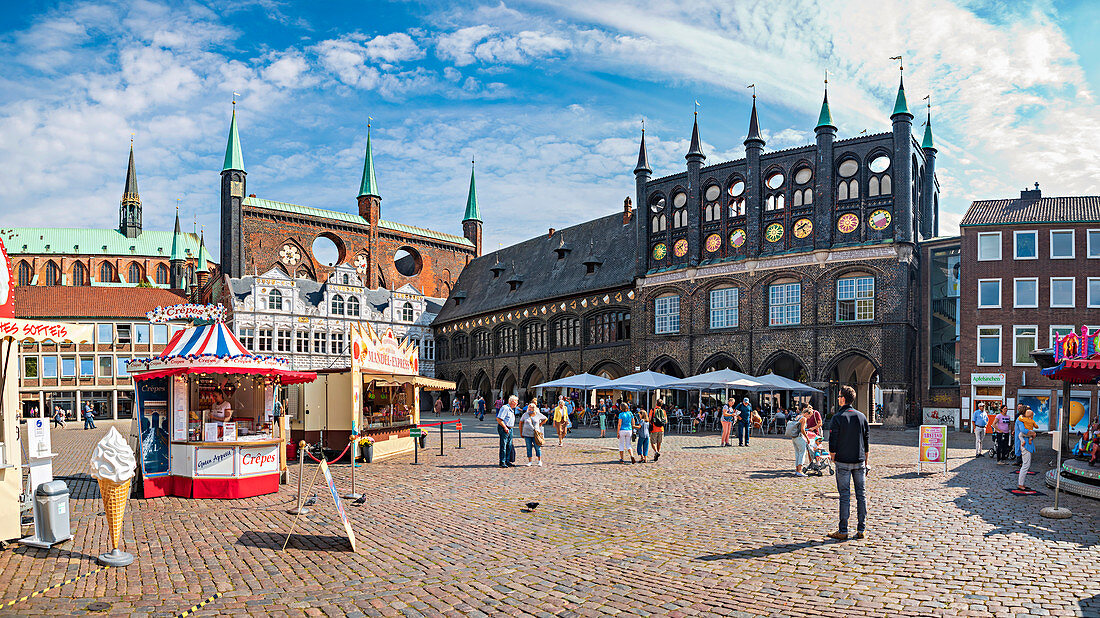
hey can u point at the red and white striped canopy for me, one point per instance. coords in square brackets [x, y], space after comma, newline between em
[206, 340]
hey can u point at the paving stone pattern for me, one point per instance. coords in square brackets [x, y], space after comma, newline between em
[708, 531]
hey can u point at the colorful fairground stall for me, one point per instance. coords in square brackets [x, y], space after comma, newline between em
[378, 398]
[206, 416]
[1075, 359]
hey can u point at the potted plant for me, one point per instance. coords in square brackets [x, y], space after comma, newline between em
[366, 446]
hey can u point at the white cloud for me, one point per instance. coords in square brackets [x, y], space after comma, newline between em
[485, 44]
[396, 47]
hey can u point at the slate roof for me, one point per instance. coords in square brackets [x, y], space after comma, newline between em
[1078, 209]
[70, 302]
[545, 276]
[75, 241]
[355, 219]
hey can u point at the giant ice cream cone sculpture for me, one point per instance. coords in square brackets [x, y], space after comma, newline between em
[113, 465]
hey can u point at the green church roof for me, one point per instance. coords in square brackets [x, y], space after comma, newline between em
[75, 241]
[204, 257]
[234, 160]
[369, 184]
[900, 106]
[825, 118]
[473, 213]
[927, 142]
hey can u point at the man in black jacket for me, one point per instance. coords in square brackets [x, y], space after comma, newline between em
[848, 449]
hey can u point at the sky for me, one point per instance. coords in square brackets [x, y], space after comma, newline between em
[547, 96]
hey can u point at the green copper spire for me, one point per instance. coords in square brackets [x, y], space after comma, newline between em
[927, 143]
[202, 266]
[900, 106]
[234, 160]
[369, 185]
[473, 213]
[825, 118]
[177, 241]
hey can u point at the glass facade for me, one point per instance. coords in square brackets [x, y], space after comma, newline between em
[944, 322]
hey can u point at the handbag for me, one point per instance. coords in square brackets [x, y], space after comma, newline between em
[539, 438]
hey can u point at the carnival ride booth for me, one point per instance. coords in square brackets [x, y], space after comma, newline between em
[205, 427]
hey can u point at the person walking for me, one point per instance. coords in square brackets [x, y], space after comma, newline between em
[89, 417]
[625, 426]
[641, 422]
[601, 410]
[848, 446]
[744, 413]
[561, 419]
[1002, 431]
[58, 419]
[506, 418]
[801, 442]
[728, 415]
[480, 407]
[1025, 438]
[1020, 409]
[658, 419]
[977, 425]
[530, 427]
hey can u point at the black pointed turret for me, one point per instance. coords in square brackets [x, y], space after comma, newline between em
[129, 217]
[643, 157]
[696, 148]
[754, 126]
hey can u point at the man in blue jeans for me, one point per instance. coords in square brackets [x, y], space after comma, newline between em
[506, 418]
[744, 417]
[848, 433]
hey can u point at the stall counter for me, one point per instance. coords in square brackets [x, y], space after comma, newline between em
[238, 469]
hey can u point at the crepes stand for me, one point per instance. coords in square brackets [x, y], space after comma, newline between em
[184, 448]
[385, 389]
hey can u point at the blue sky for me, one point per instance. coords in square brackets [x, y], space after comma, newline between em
[546, 95]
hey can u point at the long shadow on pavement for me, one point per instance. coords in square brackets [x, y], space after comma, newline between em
[308, 542]
[757, 552]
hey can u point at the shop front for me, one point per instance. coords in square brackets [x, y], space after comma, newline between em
[205, 426]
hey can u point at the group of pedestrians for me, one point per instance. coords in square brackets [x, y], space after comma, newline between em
[1011, 436]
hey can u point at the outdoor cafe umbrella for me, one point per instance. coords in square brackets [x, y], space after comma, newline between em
[583, 381]
[647, 381]
[720, 379]
[786, 384]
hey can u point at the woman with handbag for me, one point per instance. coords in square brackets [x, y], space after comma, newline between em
[531, 429]
[561, 419]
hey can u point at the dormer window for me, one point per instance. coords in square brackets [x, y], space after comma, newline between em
[591, 264]
[497, 269]
[563, 250]
[458, 297]
[514, 283]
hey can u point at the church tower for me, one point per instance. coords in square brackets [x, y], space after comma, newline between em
[471, 221]
[129, 215]
[695, 158]
[177, 261]
[930, 207]
[754, 147]
[642, 173]
[823, 175]
[233, 192]
[904, 202]
[370, 208]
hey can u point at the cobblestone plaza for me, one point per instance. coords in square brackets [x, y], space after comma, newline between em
[707, 531]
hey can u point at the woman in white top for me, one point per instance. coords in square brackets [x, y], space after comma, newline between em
[221, 410]
[530, 424]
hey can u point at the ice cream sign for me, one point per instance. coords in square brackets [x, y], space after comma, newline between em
[374, 353]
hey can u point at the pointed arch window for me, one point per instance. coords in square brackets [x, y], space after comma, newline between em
[847, 190]
[737, 207]
[872, 187]
[52, 275]
[26, 273]
[107, 272]
[680, 218]
[80, 274]
[337, 305]
[353, 306]
[162, 275]
[775, 202]
[275, 300]
[133, 275]
[885, 187]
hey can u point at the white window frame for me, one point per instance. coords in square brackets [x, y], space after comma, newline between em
[1092, 250]
[856, 298]
[1072, 245]
[1092, 301]
[666, 319]
[42, 367]
[99, 366]
[999, 292]
[1069, 328]
[1016, 293]
[1016, 244]
[979, 251]
[1015, 338]
[1072, 295]
[121, 370]
[1000, 345]
[110, 333]
[785, 318]
[725, 313]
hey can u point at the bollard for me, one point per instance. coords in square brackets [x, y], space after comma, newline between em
[414, 433]
[351, 454]
[458, 426]
[300, 510]
[441, 424]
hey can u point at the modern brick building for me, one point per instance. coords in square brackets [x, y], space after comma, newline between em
[1031, 270]
[259, 234]
[801, 262]
[67, 375]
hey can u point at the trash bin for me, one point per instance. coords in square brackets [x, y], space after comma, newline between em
[423, 440]
[51, 512]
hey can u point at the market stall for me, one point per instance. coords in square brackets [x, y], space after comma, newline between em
[205, 423]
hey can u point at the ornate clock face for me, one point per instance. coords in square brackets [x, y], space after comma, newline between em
[660, 251]
[847, 223]
[737, 237]
[680, 249]
[774, 232]
[289, 255]
[803, 228]
[361, 264]
[879, 220]
[714, 243]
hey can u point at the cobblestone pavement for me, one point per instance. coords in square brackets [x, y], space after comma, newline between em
[707, 531]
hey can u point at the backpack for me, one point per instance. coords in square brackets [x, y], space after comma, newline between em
[792, 429]
[980, 419]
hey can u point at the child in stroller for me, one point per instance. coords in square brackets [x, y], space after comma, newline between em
[818, 455]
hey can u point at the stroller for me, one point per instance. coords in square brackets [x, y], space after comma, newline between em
[818, 457]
